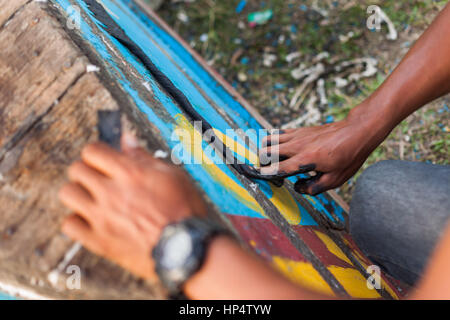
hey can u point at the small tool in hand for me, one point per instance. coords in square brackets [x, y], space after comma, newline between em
[110, 127]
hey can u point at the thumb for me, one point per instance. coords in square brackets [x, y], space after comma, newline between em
[313, 185]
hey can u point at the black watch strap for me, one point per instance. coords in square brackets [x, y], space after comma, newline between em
[201, 231]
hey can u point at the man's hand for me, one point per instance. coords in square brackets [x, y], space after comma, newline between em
[339, 149]
[122, 201]
[335, 151]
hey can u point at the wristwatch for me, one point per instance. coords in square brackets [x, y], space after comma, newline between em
[181, 250]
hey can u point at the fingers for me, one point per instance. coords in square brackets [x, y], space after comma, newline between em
[275, 152]
[75, 227]
[79, 230]
[104, 159]
[314, 185]
[291, 166]
[274, 139]
[76, 198]
[89, 178]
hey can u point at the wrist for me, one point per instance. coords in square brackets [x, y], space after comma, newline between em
[182, 250]
[371, 120]
[220, 249]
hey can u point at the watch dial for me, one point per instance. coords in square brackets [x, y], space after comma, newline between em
[176, 250]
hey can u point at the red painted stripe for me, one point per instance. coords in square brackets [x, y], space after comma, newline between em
[266, 239]
[308, 235]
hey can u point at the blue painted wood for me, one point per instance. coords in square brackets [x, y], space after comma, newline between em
[163, 45]
[217, 193]
[184, 71]
[4, 296]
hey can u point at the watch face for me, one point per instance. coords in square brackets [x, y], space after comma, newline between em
[177, 250]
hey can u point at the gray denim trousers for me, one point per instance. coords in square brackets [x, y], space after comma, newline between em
[398, 213]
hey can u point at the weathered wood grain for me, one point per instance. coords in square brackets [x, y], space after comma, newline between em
[48, 111]
[37, 64]
[9, 8]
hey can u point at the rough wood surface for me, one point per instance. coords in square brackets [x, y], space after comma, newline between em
[148, 9]
[48, 111]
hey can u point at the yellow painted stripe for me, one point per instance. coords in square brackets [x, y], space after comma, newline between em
[384, 284]
[353, 282]
[304, 274]
[238, 148]
[333, 247]
[193, 143]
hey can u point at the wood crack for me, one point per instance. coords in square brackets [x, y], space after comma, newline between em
[14, 14]
[31, 123]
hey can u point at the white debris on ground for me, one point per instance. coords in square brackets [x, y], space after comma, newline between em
[242, 77]
[312, 74]
[204, 37]
[269, 59]
[182, 16]
[322, 93]
[371, 69]
[392, 32]
[53, 276]
[345, 37]
[293, 56]
[313, 89]
[311, 116]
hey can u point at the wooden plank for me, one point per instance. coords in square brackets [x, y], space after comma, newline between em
[279, 201]
[9, 8]
[220, 184]
[217, 76]
[211, 100]
[290, 216]
[228, 191]
[43, 141]
[31, 213]
[36, 68]
[31, 245]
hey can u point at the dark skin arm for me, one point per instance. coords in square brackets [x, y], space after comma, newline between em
[339, 149]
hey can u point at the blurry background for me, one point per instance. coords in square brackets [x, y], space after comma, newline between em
[309, 62]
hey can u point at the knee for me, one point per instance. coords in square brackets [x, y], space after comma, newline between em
[364, 206]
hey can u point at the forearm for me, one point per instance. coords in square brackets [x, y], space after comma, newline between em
[230, 272]
[422, 76]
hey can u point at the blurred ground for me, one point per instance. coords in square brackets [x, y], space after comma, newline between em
[254, 61]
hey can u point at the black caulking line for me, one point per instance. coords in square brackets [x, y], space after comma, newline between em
[119, 34]
[299, 244]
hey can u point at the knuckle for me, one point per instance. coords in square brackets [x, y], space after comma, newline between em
[65, 191]
[288, 167]
[90, 149]
[75, 167]
[126, 168]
